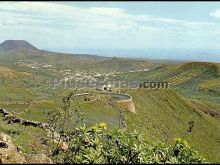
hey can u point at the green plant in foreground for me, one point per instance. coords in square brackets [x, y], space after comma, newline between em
[64, 119]
[97, 144]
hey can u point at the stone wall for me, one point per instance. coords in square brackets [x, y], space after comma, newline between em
[127, 104]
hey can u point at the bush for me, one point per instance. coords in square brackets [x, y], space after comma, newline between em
[97, 144]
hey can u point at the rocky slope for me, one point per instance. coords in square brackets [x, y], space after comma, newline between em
[11, 154]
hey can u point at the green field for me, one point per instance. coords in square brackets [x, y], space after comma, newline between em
[13, 93]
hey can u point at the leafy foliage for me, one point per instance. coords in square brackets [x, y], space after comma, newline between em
[97, 144]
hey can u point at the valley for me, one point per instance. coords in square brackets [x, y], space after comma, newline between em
[33, 83]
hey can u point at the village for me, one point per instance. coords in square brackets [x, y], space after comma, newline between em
[31, 64]
[68, 78]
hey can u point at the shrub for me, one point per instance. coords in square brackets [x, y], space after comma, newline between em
[97, 144]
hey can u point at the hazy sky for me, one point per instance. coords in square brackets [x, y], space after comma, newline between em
[124, 25]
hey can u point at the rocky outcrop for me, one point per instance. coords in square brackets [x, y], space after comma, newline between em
[11, 119]
[11, 154]
[4, 112]
[38, 159]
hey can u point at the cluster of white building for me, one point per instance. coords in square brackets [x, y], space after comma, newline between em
[32, 64]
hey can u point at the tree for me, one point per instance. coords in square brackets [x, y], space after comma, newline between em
[63, 120]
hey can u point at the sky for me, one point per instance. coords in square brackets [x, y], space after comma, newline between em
[107, 26]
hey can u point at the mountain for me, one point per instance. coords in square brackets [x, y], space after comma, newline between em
[13, 51]
[16, 45]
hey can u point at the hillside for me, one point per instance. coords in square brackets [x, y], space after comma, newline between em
[11, 74]
[191, 73]
[164, 115]
[177, 74]
[195, 80]
[15, 51]
[123, 64]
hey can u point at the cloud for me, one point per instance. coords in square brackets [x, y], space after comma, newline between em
[114, 12]
[41, 13]
[44, 13]
[81, 25]
[215, 13]
[10, 23]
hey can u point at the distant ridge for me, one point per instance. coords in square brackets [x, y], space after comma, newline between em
[16, 45]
